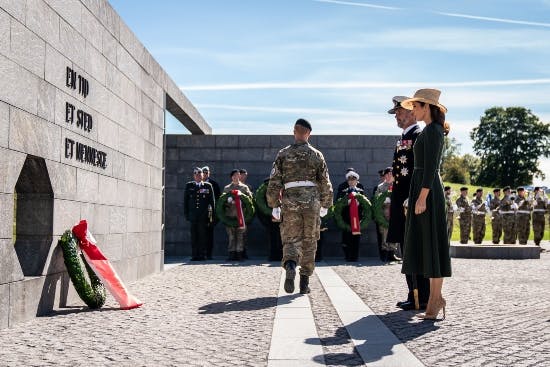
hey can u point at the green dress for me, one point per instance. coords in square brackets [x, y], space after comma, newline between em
[426, 240]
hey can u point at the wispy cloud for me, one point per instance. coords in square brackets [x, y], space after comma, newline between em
[286, 110]
[360, 85]
[364, 5]
[490, 19]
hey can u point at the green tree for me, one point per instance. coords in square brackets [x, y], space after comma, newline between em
[455, 170]
[509, 142]
[451, 148]
[472, 164]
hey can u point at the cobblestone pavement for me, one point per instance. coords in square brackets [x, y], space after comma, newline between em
[498, 311]
[216, 314]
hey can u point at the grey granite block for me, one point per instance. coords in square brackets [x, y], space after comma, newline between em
[56, 68]
[107, 131]
[109, 18]
[11, 163]
[224, 141]
[69, 10]
[71, 43]
[101, 216]
[4, 124]
[110, 47]
[63, 180]
[280, 141]
[4, 305]
[338, 155]
[43, 20]
[95, 63]
[6, 216]
[117, 219]
[128, 65]
[107, 190]
[66, 215]
[15, 8]
[14, 75]
[87, 188]
[46, 100]
[360, 154]
[92, 5]
[34, 135]
[25, 299]
[254, 141]
[92, 29]
[10, 270]
[5, 22]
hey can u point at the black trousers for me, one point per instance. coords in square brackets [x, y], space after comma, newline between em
[199, 238]
[351, 245]
[210, 240]
[422, 283]
[275, 243]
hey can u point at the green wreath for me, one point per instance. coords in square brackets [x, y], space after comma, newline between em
[93, 292]
[342, 203]
[379, 210]
[261, 202]
[248, 210]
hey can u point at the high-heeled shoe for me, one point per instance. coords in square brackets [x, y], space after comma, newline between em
[432, 315]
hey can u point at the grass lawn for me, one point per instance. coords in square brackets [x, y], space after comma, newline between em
[455, 189]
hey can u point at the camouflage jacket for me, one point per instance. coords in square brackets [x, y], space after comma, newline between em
[449, 204]
[230, 209]
[524, 204]
[540, 203]
[506, 203]
[479, 206]
[463, 204]
[494, 205]
[300, 162]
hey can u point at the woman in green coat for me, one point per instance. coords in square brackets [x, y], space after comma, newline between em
[426, 240]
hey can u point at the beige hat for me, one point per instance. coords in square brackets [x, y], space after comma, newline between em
[430, 96]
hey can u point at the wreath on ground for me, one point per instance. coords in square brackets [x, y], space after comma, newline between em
[92, 292]
[342, 204]
[248, 210]
[261, 201]
[379, 209]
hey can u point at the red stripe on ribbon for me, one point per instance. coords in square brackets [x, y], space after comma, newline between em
[239, 206]
[354, 214]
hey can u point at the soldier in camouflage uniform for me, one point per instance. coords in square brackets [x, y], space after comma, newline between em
[450, 211]
[301, 173]
[523, 216]
[496, 218]
[465, 216]
[387, 248]
[508, 214]
[479, 210]
[540, 205]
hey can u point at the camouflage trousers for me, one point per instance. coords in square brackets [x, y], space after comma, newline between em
[509, 228]
[496, 224]
[236, 239]
[465, 227]
[300, 229]
[450, 225]
[385, 246]
[478, 228]
[538, 227]
[523, 222]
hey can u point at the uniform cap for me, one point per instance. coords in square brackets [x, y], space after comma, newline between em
[537, 188]
[397, 103]
[521, 188]
[205, 169]
[387, 170]
[479, 190]
[304, 123]
[350, 169]
[352, 174]
[197, 170]
[463, 188]
[506, 188]
[447, 188]
[242, 170]
[496, 190]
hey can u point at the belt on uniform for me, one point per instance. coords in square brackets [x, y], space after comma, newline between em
[523, 212]
[292, 184]
[539, 210]
[479, 213]
[506, 212]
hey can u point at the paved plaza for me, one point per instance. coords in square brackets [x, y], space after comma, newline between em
[220, 314]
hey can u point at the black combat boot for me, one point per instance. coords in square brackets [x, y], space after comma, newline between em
[231, 256]
[304, 284]
[239, 256]
[290, 267]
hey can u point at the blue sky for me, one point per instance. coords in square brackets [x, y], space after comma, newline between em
[254, 66]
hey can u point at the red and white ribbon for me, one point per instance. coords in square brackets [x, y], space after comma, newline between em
[239, 205]
[354, 214]
[103, 268]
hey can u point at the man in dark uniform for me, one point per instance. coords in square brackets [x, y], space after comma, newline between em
[198, 197]
[216, 187]
[343, 187]
[384, 256]
[403, 165]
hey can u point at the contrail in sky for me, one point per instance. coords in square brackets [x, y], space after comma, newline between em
[500, 20]
[365, 5]
[359, 85]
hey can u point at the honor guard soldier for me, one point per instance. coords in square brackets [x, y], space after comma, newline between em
[523, 216]
[465, 216]
[450, 211]
[389, 248]
[508, 216]
[402, 169]
[301, 173]
[216, 187]
[350, 242]
[198, 208]
[479, 211]
[540, 205]
[343, 187]
[496, 218]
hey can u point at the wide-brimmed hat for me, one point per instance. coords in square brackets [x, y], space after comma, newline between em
[430, 96]
[397, 103]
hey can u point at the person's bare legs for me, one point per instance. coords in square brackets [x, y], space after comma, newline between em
[436, 302]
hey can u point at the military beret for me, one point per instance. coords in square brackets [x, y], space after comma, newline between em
[197, 170]
[537, 188]
[463, 188]
[304, 123]
[447, 188]
[506, 188]
[496, 190]
[521, 188]
[233, 171]
[479, 190]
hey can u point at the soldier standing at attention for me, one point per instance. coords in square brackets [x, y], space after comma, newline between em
[450, 211]
[479, 210]
[402, 171]
[508, 215]
[301, 172]
[465, 216]
[216, 187]
[523, 216]
[496, 218]
[244, 176]
[389, 248]
[540, 205]
[198, 196]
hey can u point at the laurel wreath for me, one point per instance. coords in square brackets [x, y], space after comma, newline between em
[378, 210]
[92, 292]
[260, 200]
[342, 204]
[248, 210]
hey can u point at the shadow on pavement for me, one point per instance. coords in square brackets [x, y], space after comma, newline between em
[78, 309]
[246, 305]
[376, 345]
